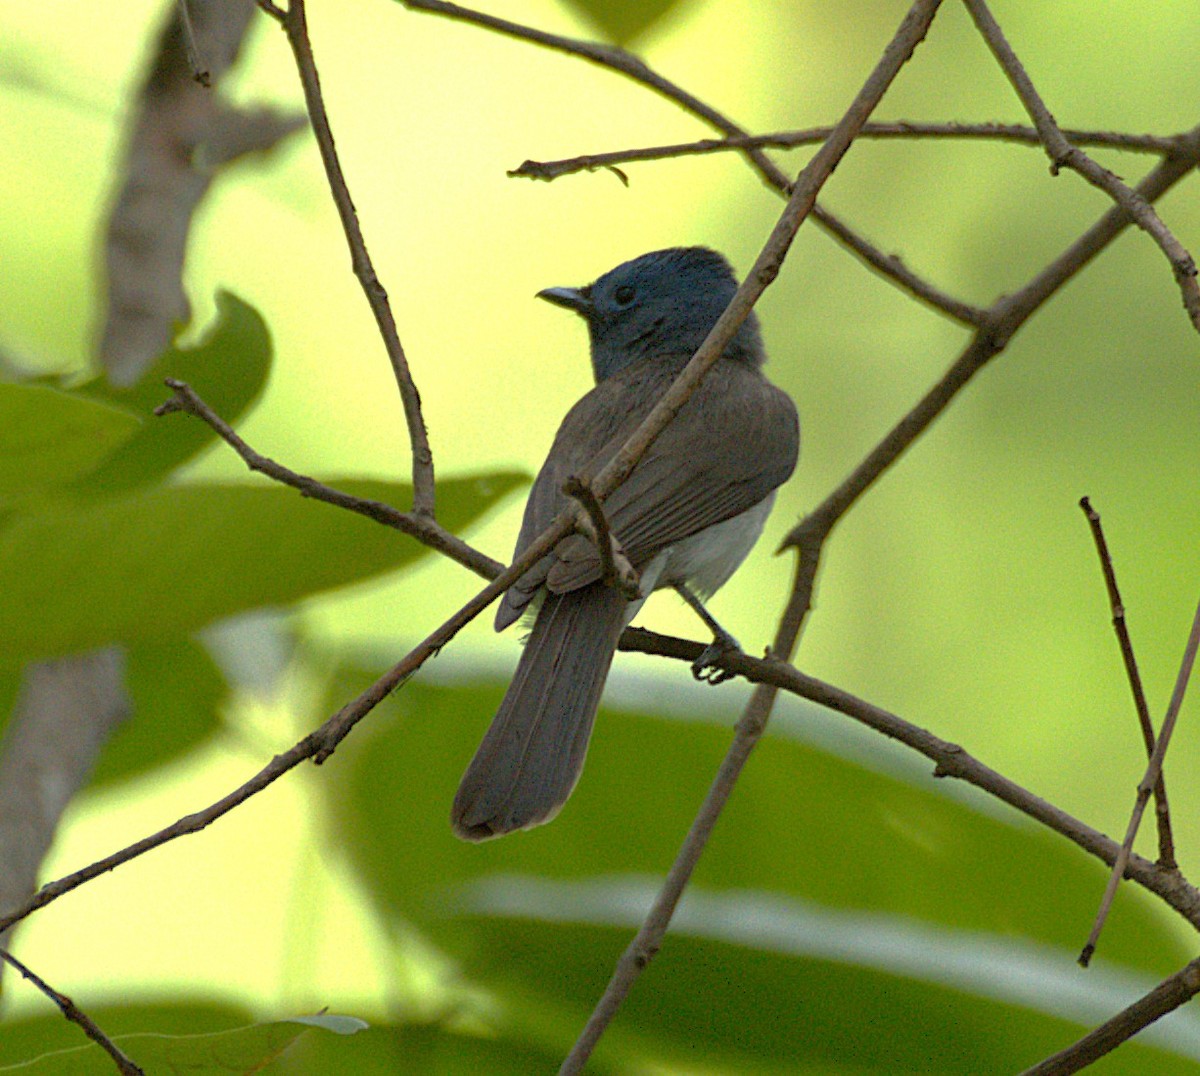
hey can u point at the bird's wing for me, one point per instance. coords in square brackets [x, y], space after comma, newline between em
[590, 434]
[735, 440]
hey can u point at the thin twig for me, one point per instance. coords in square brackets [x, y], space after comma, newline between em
[642, 949]
[1166, 843]
[1146, 786]
[615, 569]
[1064, 155]
[1168, 996]
[631, 66]
[901, 129]
[423, 528]
[317, 745]
[77, 1016]
[199, 71]
[296, 27]
[1004, 319]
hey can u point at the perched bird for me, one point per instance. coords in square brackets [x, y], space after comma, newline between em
[686, 517]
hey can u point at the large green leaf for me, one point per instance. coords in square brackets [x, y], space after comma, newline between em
[198, 1037]
[423, 1050]
[35, 1036]
[48, 436]
[228, 368]
[822, 880]
[244, 1049]
[164, 561]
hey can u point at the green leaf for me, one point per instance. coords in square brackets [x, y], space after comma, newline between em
[217, 1053]
[228, 368]
[824, 882]
[37, 1036]
[620, 21]
[424, 1049]
[176, 690]
[164, 561]
[49, 437]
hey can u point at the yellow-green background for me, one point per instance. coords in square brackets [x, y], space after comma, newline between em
[962, 592]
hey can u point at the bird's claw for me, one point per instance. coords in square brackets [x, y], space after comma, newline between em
[705, 667]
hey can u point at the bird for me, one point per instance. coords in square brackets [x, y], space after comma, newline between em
[686, 517]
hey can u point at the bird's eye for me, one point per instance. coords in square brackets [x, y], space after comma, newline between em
[624, 294]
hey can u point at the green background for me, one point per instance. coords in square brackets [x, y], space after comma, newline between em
[852, 915]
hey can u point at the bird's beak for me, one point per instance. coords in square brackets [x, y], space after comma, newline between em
[577, 299]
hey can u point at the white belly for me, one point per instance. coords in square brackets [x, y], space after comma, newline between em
[706, 560]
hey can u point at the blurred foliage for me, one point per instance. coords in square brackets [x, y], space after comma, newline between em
[844, 920]
[620, 21]
[228, 368]
[171, 559]
[928, 893]
[177, 1043]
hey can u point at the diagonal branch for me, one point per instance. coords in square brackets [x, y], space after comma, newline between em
[949, 759]
[1168, 996]
[421, 527]
[1004, 319]
[1064, 155]
[1166, 843]
[753, 722]
[317, 745]
[900, 130]
[77, 1016]
[626, 63]
[295, 25]
[1146, 785]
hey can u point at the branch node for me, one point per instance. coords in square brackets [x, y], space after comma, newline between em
[615, 568]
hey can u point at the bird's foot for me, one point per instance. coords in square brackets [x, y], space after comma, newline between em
[706, 668]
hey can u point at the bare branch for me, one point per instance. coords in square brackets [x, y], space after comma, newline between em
[423, 528]
[1004, 319]
[1164, 998]
[77, 1016]
[615, 568]
[1064, 155]
[268, 8]
[1166, 844]
[949, 759]
[296, 27]
[633, 67]
[179, 139]
[1146, 785]
[645, 944]
[901, 129]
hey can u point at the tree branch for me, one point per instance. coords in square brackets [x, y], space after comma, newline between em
[296, 27]
[77, 1016]
[633, 67]
[1064, 155]
[750, 727]
[423, 528]
[949, 759]
[901, 129]
[1003, 320]
[1146, 785]
[1169, 995]
[1166, 843]
[615, 568]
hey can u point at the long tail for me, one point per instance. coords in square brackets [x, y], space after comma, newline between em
[533, 752]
